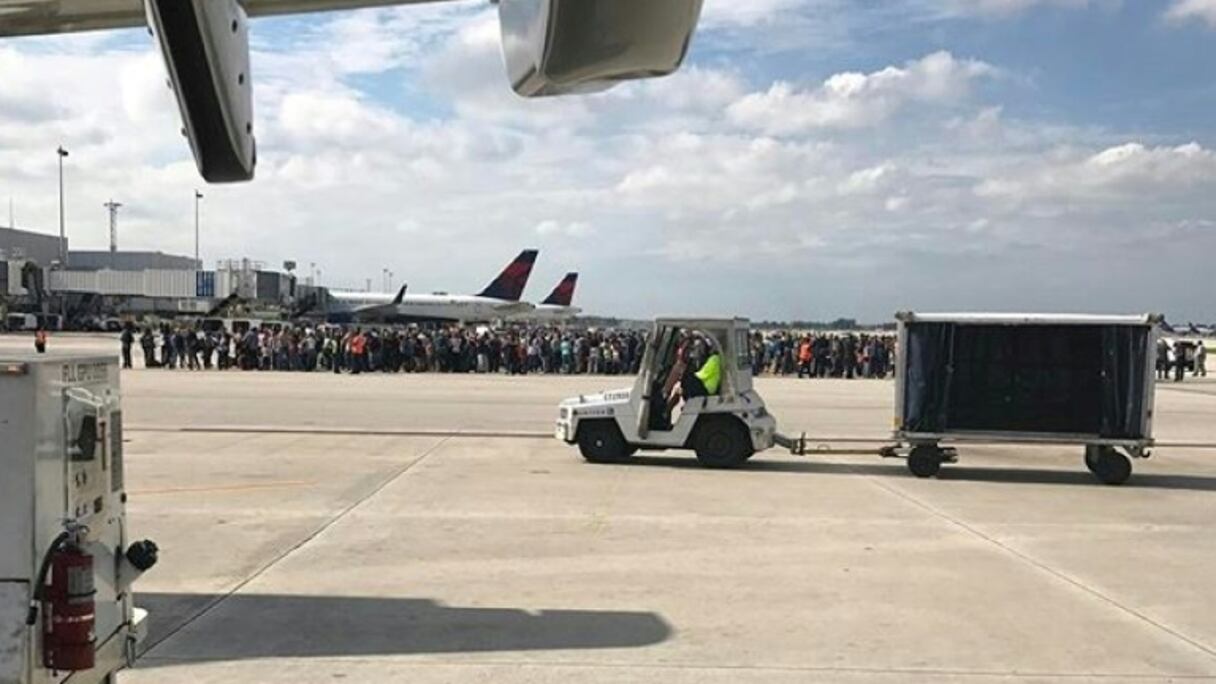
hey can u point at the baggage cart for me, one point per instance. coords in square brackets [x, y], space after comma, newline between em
[1044, 379]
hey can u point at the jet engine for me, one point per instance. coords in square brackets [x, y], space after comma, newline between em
[558, 47]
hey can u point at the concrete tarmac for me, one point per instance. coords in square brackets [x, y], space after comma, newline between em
[290, 554]
[856, 409]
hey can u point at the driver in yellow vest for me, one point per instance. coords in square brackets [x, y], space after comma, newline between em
[703, 383]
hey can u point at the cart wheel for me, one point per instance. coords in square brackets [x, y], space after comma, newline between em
[1112, 467]
[721, 442]
[925, 460]
[601, 441]
[1093, 453]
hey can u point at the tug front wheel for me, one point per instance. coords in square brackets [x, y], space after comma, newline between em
[601, 441]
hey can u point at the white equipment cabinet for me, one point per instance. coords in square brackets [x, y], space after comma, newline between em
[63, 516]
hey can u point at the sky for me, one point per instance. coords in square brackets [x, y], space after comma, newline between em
[814, 159]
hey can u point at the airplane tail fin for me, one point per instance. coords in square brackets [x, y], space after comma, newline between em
[509, 285]
[400, 295]
[563, 294]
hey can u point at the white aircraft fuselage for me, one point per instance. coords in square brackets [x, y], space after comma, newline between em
[344, 307]
[549, 313]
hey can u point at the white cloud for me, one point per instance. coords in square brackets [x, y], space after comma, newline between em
[866, 180]
[857, 100]
[569, 229]
[393, 137]
[371, 41]
[719, 13]
[1127, 172]
[327, 119]
[692, 88]
[467, 70]
[896, 203]
[1004, 8]
[1186, 10]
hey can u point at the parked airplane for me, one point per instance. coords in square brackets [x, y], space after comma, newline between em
[499, 301]
[369, 306]
[558, 305]
[551, 47]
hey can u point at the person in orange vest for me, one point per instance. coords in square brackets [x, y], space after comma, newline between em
[805, 356]
[40, 340]
[358, 349]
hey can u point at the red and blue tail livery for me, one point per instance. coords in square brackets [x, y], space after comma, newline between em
[563, 294]
[509, 285]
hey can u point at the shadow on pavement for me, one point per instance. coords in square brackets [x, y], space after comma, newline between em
[894, 468]
[246, 626]
[1198, 483]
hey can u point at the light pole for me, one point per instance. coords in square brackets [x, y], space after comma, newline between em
[113, 207]
[198, 196]
[63, 250]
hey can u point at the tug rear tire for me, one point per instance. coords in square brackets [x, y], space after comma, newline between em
[721, 442]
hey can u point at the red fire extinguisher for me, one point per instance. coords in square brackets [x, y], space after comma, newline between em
[68, 606]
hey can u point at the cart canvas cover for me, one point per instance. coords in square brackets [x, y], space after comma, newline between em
[1049, 375]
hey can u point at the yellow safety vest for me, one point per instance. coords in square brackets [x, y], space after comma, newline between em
[710, 374]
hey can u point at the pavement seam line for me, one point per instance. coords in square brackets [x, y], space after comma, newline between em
[339, 432]
[1185, 390]
[896, 670]
[214, 603]
[466, 433]
[1043, 567]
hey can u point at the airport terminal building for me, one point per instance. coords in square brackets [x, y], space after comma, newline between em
[97, 260]
[40, 248]
[102, 284]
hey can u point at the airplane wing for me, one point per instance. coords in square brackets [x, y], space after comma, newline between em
[376, 311]
[558, 47]
[36, 17]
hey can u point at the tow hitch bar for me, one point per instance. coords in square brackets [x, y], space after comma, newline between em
[796, 445]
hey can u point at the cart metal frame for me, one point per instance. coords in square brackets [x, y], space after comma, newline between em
[1102, 455]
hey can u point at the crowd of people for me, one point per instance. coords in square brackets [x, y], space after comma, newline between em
[453, 349]
[1177, 358]
[516, 350]
[823, 355]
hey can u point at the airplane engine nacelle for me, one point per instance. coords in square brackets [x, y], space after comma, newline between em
[205, 44]
[557, 47]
